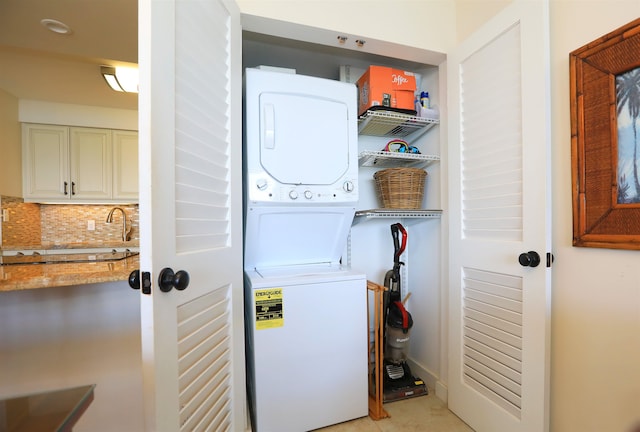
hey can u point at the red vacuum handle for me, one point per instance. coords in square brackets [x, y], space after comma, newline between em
[404, 239]
[405, 316]
[399, 249]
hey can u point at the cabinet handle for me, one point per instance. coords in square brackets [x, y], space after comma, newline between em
[65, 188]
[73, 188]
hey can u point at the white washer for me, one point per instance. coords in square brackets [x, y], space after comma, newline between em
[306, 347]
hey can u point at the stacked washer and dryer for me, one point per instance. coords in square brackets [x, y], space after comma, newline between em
[305, 311]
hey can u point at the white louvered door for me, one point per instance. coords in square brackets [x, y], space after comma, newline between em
[191, 214]
[499, 209]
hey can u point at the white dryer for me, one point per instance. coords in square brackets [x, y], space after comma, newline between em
[301, 139]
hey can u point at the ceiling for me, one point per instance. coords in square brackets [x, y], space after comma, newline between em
[38, 64]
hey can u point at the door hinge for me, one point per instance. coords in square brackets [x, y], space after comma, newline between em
[146, 283]
[550, 259]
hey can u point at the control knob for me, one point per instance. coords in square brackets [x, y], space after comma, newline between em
[261, 184]
[348, 186]
[308, 194]
[293, 194]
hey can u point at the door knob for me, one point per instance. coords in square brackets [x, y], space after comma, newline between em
[168, 280]
[529, 259]
[134, 279]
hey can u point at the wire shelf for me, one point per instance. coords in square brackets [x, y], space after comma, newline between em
[396, 214]
[385, 159]
[390, 124]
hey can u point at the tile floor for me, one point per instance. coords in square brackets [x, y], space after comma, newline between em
[419, 414]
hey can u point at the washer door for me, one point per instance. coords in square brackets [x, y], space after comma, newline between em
[277, 236]
[303, 139]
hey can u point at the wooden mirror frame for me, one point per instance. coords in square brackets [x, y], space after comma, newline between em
[598, 219]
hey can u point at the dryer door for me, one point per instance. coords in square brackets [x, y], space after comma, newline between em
[304, 140]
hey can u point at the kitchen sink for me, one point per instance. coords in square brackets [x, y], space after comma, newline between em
[65, 258]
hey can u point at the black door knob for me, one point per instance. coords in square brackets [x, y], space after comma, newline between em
[168, 280]
[529, 259]
[134, 279]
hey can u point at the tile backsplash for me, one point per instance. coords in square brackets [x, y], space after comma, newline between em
[52, 224]
[23, 226]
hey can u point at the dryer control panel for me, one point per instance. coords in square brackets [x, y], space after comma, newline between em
[263, 188]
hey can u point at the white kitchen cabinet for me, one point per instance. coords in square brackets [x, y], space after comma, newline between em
[45, 161]
[125, 165]
[81, 165]
[90, 162]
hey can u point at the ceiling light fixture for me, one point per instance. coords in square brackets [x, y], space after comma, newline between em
[122, 79]
[56, 26]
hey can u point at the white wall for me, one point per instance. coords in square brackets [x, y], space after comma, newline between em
[470, 14]
[595, 375]
[64, 337]
[33, 111]
[425, 23]
[10, 147]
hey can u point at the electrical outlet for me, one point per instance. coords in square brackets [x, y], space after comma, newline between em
[91, 225]
[5, 215]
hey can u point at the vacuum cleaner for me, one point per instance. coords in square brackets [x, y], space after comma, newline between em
[399, 383]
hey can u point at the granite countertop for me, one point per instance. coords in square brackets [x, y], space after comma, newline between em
[34, 276]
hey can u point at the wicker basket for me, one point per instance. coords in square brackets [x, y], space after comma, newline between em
[400, 188]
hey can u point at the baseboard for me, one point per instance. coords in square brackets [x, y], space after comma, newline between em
[442, 391]
[433, 382]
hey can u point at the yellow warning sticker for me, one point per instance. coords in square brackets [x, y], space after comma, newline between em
[269, 309]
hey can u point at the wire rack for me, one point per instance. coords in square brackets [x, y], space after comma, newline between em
[396, 213]
[390, 124]
[385, 159]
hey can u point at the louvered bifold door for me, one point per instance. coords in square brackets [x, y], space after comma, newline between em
[499, 142]
[191, 214]
[492, 209]
[492, 329]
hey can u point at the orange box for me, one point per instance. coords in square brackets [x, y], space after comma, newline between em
[385, 86]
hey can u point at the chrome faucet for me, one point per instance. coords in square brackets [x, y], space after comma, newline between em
[125, 231]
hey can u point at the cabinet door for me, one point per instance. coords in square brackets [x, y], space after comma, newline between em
[45, 162]
[90, 163]
[125, 165]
